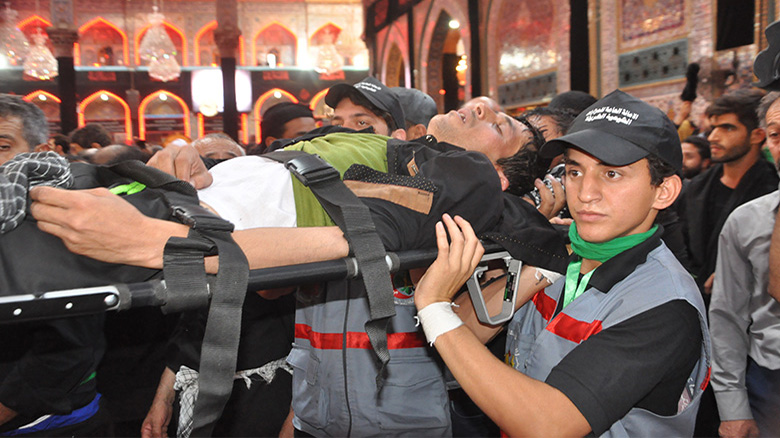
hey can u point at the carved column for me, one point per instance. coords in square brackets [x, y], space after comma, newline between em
[62, 40]
[226, 36]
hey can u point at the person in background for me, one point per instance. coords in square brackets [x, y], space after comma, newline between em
[89, 136]
[696, 156]
[367, 104]
[573, 100]
[218, 146]
[284, 120]
[744, 318]
[419, 109]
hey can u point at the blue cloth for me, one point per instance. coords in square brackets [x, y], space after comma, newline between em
[56, 421]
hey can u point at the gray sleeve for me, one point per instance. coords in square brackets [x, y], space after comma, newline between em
[729, 320]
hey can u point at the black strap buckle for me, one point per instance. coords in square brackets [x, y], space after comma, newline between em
[198, 218]
[311, 169]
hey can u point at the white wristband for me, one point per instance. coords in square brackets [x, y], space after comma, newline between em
[437, 319]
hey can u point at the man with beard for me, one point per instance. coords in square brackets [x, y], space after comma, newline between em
[696, 156]
[744, 318]
[739, 174]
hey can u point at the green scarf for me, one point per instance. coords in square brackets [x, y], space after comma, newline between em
[605, 250]
[594, 251]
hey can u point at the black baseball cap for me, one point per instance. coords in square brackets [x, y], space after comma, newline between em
[419, 107]
[619, 130]
[767, 64]
[373, 90]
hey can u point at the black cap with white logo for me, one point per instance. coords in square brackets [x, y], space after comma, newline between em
[376, 92]
[620, 129]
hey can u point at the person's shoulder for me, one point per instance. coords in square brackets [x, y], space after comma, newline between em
[705, 176]
[663, 272]
[756, 206]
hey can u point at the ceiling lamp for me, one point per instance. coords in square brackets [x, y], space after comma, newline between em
[158, 49]
[39, 62]
[13, 43]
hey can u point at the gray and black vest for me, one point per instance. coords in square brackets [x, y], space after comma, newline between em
[538, 340]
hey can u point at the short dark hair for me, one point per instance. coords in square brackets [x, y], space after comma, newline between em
[743, 103]
[563, 118]
[702, 145]
[90, 133]
[62, 141]
[358, 99]
[275, 117]
[35, 129]
[659, 170]
[525, 166]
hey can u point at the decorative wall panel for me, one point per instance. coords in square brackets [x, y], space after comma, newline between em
[527, 91]
[664, 62]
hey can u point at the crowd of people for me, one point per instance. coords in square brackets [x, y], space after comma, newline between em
[643, 305]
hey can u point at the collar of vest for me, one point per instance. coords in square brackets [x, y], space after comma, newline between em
[619, 267]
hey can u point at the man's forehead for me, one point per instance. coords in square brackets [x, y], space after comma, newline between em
[730, 118]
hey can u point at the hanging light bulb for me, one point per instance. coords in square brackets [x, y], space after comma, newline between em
[158, 50]
[13, 43]
[39, 62]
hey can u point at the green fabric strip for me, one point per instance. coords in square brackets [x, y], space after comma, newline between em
[605, 250]
[128, 189]
[89, 377]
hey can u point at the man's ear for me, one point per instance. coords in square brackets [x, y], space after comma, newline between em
[400, 134]
[97, 145]
[502, 177]
[416, 131]
[43, 147]
[667, 192]
[269, 140]
[757, 136]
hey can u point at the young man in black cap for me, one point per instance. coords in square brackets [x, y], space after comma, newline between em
[620, 345]
[367, 104]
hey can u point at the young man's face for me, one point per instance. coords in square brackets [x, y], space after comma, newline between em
[692, 162]
[773, 131]
[608, 201]
[729, 139]
[479, 128]
[352, 116]
[12, 140]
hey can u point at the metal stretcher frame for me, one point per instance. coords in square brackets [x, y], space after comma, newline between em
[153, 293]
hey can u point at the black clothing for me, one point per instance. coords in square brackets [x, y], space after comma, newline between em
[693, 209]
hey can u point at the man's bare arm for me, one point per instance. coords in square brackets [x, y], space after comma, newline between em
[101, 225]
[519, 404]
[6, 414]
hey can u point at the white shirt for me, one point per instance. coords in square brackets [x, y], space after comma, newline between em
[251, 192]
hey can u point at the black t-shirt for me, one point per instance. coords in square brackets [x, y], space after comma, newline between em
[717, 199]
[642, 362]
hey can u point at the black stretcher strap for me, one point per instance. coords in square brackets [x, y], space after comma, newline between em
[354, 219]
